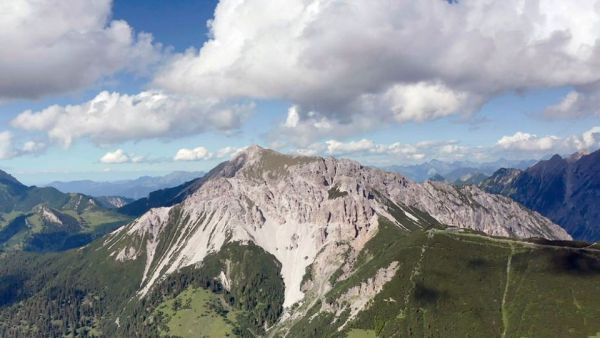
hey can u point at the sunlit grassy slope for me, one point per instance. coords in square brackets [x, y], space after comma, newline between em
[455, 284]
[76, 220]
[449, 283]
[196, 312]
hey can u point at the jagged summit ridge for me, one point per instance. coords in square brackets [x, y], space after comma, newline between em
[295, 207]
[563, 189]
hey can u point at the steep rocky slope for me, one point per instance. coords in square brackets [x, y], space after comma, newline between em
[113, 202]
[295, 207]
[281, 246]
[566, 190]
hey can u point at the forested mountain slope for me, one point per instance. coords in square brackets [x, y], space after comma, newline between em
[277, 245]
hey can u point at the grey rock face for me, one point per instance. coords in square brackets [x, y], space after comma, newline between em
[295, 207]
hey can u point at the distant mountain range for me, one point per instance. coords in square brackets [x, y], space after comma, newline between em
[566, 190]
[273, 245]
[268, 244]
[172, 195]
[460, 172]
[45, 219]
[133, 189]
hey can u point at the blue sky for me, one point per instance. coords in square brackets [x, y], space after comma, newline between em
[298, 77]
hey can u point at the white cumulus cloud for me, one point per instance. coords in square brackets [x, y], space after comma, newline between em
[113, 117]
[198, 153]
[420, 102]
[581, 102]
[202, 153]
[337, 61]
[56, 46]
[32, 147]
[528, 142]
[522, 142]
[8, 148]
[115, 157]
[337, 147]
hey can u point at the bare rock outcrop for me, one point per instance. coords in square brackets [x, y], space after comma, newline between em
[295, 206]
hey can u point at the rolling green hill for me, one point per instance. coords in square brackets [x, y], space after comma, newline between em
[45, 219]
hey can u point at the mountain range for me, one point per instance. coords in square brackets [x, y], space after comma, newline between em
[268, 244]
[41, 219]
[462, 172]
[131, 189]
[566, 190]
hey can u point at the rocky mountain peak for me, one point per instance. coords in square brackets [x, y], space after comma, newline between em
[256, 161]
[249, 155]
[556, 158]
[295, 207]
[253, 151]
[577, 156]
[564, 190]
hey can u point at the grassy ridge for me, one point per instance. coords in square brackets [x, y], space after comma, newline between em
[81, 220]
[454, 284]
[45, 219]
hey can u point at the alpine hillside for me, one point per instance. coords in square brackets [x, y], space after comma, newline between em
[566, 190]
[293, 207]
[41, 219]
[268, 244]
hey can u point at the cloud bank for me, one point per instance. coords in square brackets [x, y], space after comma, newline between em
[57, 46]
[345, 68]
[520, 145]
[392, 61]
[113, 117]
[202, 153]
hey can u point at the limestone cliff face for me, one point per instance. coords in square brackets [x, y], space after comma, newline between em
[295, 207]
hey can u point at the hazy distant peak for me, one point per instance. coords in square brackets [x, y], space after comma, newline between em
[135, 188]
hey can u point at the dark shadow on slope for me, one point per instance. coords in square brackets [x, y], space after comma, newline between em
[425, 295]
[57, 241]
[576, 263]
[561, 243]
[13, 228]
[11, 289]
[479, 264]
